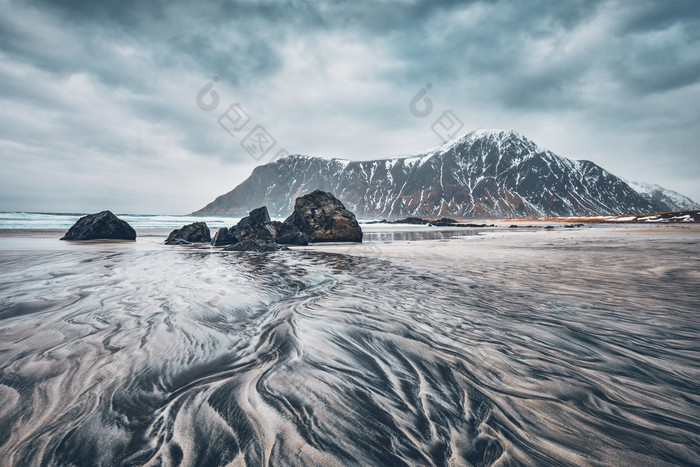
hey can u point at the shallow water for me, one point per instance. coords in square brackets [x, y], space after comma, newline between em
[537, 353]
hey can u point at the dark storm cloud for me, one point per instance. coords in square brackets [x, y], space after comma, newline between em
[111, 86]
[652, 15]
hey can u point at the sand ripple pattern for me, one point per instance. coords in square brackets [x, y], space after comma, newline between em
[188, 357]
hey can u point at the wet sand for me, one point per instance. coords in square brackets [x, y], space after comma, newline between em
[479, 347]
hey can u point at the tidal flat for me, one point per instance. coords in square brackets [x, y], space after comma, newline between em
[418, 347]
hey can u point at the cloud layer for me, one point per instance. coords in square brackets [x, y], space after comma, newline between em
[98, 104]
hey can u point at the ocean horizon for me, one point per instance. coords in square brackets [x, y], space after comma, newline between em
[48, 220]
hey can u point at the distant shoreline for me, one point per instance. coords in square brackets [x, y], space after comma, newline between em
[500, 225]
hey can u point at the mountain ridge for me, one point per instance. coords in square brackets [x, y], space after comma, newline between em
[481, 174]
[658, 193]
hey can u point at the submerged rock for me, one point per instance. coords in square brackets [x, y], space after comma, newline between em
[445, 222]
[411, 220]
[101, 226]
[197, 232]
[254, 244]
[288, 234]
[323, 218]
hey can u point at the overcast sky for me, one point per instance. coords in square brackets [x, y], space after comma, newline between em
[99, 109]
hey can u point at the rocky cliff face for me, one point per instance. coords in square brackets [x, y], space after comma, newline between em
[485, 173]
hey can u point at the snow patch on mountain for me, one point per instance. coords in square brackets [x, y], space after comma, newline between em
[670, 200]
[482, 174]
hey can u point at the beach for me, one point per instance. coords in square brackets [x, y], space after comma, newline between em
[420, 346]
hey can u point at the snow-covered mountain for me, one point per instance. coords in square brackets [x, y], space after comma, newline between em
[664, 199]
[483, 174]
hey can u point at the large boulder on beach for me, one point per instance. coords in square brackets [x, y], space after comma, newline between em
[101, 226]
[256, 225]
[224, 236]
[323, 218]
[288, 234]
[197, 232]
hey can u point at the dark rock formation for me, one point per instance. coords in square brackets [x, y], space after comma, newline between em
[255, 226]
[288, 234]
[323, 218]
[318, 216]
[254, 244]
[411, 220]
[101, 226]
[224, 236]
[258, 216]
[197, 232]
[444, 222]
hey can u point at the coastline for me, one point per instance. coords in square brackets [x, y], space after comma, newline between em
[375, 231]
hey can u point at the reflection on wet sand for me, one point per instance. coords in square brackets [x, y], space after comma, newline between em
[475, 351]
